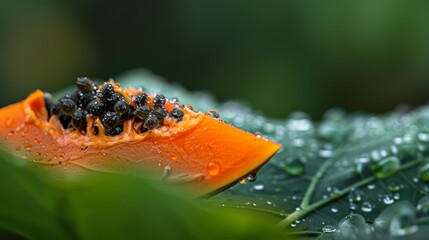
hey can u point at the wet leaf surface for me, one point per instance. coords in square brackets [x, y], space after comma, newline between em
[346, 177]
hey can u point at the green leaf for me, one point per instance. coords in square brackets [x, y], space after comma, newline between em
[346, 166]
[37, 205]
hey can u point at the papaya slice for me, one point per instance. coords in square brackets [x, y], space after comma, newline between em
[110, 129]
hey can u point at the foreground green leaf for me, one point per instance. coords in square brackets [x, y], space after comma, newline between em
[36, 205]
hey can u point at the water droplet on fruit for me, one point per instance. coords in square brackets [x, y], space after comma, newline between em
[251, 177]
[173, 157]
[258, 134]
[212, 113]
[9, 122]
[366, 207]
[51, 132]
[213, 169]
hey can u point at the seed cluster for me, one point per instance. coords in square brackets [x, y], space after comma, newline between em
[111, 107]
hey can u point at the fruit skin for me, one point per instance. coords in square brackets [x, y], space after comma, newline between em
[202, 151]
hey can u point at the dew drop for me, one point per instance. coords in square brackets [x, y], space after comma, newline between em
[423, 205]
[423, 137]
[298, 142]
[258, 134]
[9, 122]
[385, 167]
[336, 193]
[396, 196]
[213, 169]
[388, 199]
[212, 113]
[251, 177]
[326, 151]
[329, 229]
[258, 187]
[334, 209]
[366, 207]
[353, 226]
[51, 132]
[294, 166]
[423, 171]
[393, 187]
[299, 122]
[371, 186]
[399, 219]
[355, 196]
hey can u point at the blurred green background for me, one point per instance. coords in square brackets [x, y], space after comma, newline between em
[279, 56]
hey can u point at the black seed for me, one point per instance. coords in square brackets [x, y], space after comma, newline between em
[84, 99]
[85, 84]
[143, 129]
[106, 91]
[56, 109]
[96, 108]
[115, 131]
[95, 131]
[151, 122]
[160, 113]
[65, 121]
[68, 106]
[116, 97]
[111, 120]
[72, 96]
[177, 114]
[141, 100]
[142, 112]
[127, 115]
[159, 100]
[79, 119]
[49, 103]
[121, 106]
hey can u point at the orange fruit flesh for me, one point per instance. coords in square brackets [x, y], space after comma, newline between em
[200, 150]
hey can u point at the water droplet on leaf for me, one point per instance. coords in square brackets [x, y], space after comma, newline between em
[366, 207]
[329, 229]
[385, 167]
[423, 205]
[353, 226]
[294, 166]
[258, 187]
[423, 171]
